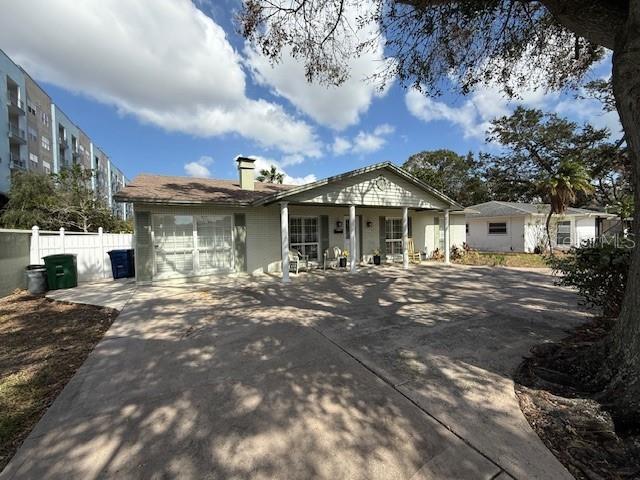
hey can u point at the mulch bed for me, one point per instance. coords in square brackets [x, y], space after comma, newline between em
[558, 388]
[42, 344]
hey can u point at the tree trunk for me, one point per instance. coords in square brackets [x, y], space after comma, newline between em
[625, 387]
[548, 227]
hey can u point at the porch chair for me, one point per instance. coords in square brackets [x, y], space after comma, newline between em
[414, 256]
[332, 257]
[297, 261]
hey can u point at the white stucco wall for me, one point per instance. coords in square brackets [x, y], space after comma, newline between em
[480, 239]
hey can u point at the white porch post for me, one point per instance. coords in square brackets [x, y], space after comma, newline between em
[405, 238]
[446, 236]
[352, 237]
[284, 240]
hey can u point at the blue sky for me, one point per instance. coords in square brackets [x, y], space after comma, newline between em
[168, 87]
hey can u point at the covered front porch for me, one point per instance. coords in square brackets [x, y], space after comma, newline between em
[360, 232]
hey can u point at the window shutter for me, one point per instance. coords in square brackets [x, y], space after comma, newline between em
[360, 237]
[324, 235]
[143, 247]
[240, 241]
[382, 237]
[410, 229]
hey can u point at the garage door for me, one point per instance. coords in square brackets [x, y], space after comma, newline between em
[186, 245]
[173, 245]
[215, 244]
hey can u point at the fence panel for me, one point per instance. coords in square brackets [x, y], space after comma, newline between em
[14, 257]
[90, 248]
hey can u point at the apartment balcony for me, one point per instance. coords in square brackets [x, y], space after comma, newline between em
[77, 155]
[62, 142]
[15, 105]
[16, 135]
[17, 163]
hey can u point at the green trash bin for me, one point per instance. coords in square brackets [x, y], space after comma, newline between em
[62, 271]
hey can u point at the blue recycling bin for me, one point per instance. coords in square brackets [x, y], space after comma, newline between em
[122, 263]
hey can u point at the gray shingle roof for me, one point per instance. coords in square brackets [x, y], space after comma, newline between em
[512, 209]
[165, 189]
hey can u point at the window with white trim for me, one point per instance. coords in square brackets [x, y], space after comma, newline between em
[393, 235]
[497, 228]
[304, 235]
[46, 144]
[563, 235]
[33, 157]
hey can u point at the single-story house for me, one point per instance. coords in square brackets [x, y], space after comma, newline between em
[188, 227]
[520, 227]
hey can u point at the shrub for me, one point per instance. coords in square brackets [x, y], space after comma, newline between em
[599, 272]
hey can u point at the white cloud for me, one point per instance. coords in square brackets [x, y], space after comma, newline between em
[474, 115]
[341, 145]
[295, 159]
[263, 163]
[335, 107]
[363, 142]
[199, 168]
[164, 62]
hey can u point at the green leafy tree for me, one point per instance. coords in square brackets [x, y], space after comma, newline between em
[447, 44]
[59, 200]
[562, 188]
[272, 175]
[458, 176]
[32, 198]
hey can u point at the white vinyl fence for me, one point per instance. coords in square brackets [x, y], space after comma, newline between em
[91, 249]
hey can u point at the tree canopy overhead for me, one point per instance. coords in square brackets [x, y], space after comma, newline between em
[429, 42]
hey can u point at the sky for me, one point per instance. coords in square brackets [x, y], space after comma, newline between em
[169, 87]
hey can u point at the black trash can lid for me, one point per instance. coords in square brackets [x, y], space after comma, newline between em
[118, 251]
[36, 267]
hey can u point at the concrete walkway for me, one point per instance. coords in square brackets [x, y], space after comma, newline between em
[107, 293]
[382, 374]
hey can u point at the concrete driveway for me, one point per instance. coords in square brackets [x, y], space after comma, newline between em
[382, 374]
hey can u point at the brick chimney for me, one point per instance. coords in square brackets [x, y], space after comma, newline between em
[246, 167]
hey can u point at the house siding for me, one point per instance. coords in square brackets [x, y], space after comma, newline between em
[263, 231]
[364, 190]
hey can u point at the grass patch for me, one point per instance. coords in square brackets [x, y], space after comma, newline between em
[42, 344]
[530, 260]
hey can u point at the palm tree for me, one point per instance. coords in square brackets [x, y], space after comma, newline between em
[270, 176]
[562, 188]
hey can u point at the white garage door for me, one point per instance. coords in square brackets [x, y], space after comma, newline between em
[185, 245]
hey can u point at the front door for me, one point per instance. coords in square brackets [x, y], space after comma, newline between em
[347, 242]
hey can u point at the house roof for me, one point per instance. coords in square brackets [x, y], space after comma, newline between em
[283, 195]
[187, 190]
[496, 208]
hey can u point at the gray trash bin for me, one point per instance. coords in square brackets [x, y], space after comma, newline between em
[36, 279]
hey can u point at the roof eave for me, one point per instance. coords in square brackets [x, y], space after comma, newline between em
[371, 168]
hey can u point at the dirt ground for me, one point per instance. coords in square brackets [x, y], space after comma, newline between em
[560, 398]
[42, 344]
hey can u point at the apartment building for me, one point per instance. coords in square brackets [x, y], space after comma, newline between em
[36, 135]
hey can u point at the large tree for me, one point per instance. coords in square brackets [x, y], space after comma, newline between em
[438, 44]
[458, 176]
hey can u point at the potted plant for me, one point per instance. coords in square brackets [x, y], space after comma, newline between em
[343, 258]
[376, 257]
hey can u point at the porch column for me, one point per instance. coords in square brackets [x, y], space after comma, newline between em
[352, 237]
[405, 238]
[284, 240]
[446, 236]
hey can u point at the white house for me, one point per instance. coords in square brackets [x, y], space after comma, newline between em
[520, 227]
[189, 227]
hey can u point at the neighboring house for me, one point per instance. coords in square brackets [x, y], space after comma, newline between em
[187, 227]
[520, 227]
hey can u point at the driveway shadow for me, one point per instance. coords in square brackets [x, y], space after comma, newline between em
[332, 376]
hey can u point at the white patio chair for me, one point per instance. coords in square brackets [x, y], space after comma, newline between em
[332, 257]
[297, 261]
